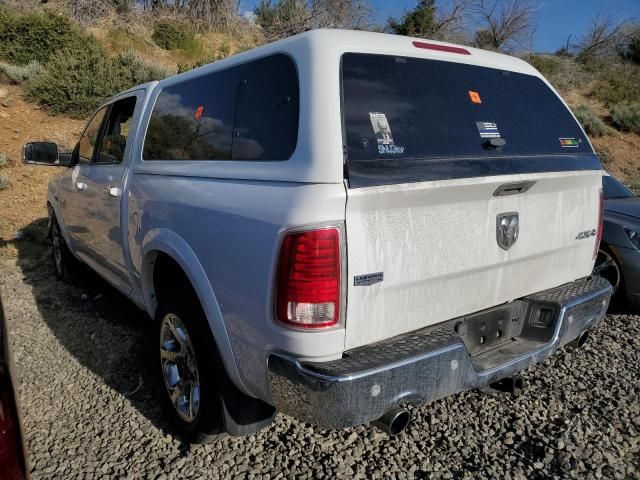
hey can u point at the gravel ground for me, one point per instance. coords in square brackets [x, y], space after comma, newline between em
[87, 390]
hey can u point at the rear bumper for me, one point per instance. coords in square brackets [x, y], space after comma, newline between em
[429, 364]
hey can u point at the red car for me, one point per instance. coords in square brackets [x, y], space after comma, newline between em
[13, 465]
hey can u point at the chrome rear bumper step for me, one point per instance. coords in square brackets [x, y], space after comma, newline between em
[435, 362]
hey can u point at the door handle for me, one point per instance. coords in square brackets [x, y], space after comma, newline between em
[113, 191]
[81, 186]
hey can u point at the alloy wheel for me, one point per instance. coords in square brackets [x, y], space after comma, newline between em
[56, 247]
[179, 367]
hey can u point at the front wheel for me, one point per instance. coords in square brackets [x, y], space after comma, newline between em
[64, 263]
[191, 396]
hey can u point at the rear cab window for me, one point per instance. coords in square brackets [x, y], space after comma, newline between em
[409, 119]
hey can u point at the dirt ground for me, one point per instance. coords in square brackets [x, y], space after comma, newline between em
[620, 155]
[25, 198]
[89, 388]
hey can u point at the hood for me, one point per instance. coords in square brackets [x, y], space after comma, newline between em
[624, 206]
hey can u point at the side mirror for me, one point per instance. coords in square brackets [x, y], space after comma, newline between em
[44, 153]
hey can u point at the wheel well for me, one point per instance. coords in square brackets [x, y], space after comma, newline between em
[611, 251]
[170, 280]
[241, 414]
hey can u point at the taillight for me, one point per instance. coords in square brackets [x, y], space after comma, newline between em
[600, 226]
[308, 286]
[12, 465]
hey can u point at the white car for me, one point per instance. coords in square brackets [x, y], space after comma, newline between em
[336, 224]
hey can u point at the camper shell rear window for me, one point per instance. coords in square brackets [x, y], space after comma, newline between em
[413, 119]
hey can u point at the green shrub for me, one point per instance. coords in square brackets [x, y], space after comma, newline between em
[3, 160]
[129, 70]
[633, 49]
[76, 82]
[223, 52]
[545, 64]
[591, 122]
[186, 66]
[563, 72]
[4, 182]
[626, 116]
[123, 6]
[19, 73]
[618, 84]
[173, 35]
[27, 37]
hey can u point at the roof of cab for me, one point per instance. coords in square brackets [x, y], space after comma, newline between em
[338, 42]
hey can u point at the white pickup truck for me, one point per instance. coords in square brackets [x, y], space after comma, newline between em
[337, 224]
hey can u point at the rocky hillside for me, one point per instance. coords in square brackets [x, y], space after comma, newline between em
[39, 100]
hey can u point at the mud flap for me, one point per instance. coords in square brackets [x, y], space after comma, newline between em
[244, 415]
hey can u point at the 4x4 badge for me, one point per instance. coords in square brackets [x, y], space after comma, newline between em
[507, 229]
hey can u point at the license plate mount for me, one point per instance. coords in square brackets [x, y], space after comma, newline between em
[491, 328]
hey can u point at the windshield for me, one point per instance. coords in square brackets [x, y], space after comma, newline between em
[613, 189]
[403, 107]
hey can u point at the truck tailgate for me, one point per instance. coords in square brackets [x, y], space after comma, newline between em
[433, 252]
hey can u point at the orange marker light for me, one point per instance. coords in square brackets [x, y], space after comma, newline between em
[474, 96]
[198, 113]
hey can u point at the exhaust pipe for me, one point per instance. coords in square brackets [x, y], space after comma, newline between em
[580, 340]
[393, 422]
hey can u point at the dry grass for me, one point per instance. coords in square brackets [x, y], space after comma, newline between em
[4, 182]
[135, 33]
[590, 121]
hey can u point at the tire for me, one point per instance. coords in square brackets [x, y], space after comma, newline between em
[607, 267]
[64, 263]
[190, 371]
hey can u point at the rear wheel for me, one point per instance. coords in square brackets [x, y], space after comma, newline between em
[189, 371]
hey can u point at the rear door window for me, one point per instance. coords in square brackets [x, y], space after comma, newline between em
[402, 110]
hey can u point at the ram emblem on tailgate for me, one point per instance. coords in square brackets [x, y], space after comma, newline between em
[507, 229]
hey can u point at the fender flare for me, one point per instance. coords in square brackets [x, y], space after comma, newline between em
[171, 244]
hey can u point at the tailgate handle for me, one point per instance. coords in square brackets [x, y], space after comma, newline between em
[512, 188]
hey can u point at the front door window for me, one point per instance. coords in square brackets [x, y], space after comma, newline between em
[90, 137]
